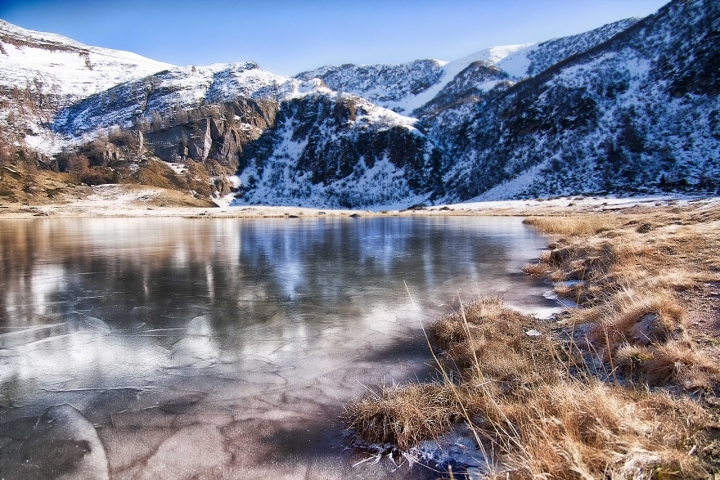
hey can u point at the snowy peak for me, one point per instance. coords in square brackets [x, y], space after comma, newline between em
[413, 88]
[406, 87]
[63, 68]
[167, 92]
[21, 37]
[548, 53]
[450, 71]
[386, 85]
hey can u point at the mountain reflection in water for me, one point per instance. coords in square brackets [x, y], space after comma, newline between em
[170, 348]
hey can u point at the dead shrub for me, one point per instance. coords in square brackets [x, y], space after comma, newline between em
[536, 269]
[403, 416]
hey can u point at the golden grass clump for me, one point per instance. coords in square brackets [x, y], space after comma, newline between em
[536, 269]
[572, 226]
[671, 363]
[595, 430]
[638, 319]
[396, 416]
[516, 394]
[474, 336]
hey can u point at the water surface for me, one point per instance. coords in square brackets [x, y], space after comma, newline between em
[178, 348]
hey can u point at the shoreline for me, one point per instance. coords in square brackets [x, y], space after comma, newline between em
[122, 201]
[660, 240]
[625, 384]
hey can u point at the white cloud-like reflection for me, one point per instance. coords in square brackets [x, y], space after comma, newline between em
[194, 297]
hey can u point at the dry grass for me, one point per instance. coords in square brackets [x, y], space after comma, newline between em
[394, 416]
[620, 388]
[517, 394]
[573, 226]
[536, 269]
[20, 185]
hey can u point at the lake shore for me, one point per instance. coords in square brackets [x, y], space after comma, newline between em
[626, 385]
[124, 201]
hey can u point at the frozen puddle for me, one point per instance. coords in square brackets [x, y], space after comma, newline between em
[179, 348]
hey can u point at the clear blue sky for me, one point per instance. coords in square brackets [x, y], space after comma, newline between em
[287, 37]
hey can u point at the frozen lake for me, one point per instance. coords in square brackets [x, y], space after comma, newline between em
[199, 348]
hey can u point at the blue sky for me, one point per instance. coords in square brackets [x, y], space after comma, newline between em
[287, 37]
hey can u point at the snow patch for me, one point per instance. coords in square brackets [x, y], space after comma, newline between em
[491, 56]
[512, 187]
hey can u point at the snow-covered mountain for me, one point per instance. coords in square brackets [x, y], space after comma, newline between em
[632, 105]
[42, 73]
[293, 141]
[387, 85]
[638, 112]
[62, 67]
[340, 151]
[177, 89]
[546, 54]
[408, 88]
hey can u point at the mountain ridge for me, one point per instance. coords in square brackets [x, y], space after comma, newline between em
[606, 110]
[628, 129]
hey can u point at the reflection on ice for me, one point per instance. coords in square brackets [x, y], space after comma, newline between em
[60, 442]
[197, 348]
[237, 338]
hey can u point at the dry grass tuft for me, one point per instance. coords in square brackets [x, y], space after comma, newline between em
[536, 269]
[395, 416]
[595, 430]
[573, 226]
[515, 391]
[638, 319]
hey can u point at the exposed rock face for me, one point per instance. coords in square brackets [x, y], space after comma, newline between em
[216, 138]
[339, 151]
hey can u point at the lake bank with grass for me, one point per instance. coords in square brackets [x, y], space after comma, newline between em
[625, 385]
[259, 325]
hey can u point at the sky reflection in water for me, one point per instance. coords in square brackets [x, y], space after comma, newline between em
[270, 321]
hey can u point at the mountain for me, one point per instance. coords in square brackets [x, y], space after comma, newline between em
[42, 73]
[410, 88]
[291, 141]
[638, 112]
[104, 113]
[340, 151]
[629, 107]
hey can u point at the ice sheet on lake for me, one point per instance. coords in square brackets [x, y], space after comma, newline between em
[61, 443]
